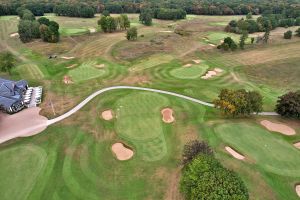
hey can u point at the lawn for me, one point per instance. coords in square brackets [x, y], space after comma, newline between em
[192, 72]
[73, 159]
[139, 123]
[87, 70]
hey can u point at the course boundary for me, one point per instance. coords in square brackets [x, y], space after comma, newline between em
[93, 95]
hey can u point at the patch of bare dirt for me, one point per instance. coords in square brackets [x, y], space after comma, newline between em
[121, 151]
[136, 79]
[173, 192]
[107, 115]
[71, 66]
[167, 115]
[234, 153]
[297, 188]
[187, 65]
[211, 73]
[277, 127]
[67, 80]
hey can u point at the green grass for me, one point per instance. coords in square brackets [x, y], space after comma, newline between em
[195, 71]
[20, 168]
[73, 31]
[86, 71]
[7, 18]
[139, 123]
[267, 149]
[217, 37]
[151, 61]
[218, 23]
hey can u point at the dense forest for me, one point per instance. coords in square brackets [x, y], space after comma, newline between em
[206, 7]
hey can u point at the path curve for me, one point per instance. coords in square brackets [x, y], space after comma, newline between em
[89, 98]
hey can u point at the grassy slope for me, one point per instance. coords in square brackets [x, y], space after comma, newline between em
[79, 160]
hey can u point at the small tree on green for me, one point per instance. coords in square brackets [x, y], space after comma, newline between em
[132, 33]
[243, 38]
[7, 61]
[288, 34]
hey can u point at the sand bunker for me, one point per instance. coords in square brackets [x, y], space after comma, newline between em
[67, 80]
[187, 65]
[297, 145]
[297, 188]
[67, 58]
[234, 153]
[166, 31]
[213, 45]
[92, 30]
[25, 123]
[71, 66]
[100, 66]
[14, 35]
[167, 115]
[121, 151]
[211, 73]
[197, 61]
[107, 115]
[276, 127]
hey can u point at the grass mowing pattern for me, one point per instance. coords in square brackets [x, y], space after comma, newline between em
[267, 149]
[73, 31]
[195, 71]
[139, 122]
[86, 71]
[20, 167]
[151, 61]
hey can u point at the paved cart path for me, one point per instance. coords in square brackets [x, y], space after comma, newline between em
[89, 98]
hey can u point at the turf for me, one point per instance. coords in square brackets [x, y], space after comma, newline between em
[86, 71]
[139, 122]
[73, 31]
[20, 168]
[266, 148]
[192, 72]
[151, 61]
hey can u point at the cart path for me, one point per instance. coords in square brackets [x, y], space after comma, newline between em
[89, 98]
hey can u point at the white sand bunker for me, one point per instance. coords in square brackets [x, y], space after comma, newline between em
[197, 61]
[234, 153]
[167, 115]
[67, 80]
[211, 73]
[187, 65]
[100, 66]
[166, 31]
[276, 127]
[121, 151]
[297, 145]
[213, 45]
[71, 66]
[92, 30]
[14, 35]
[67, 57]
[107, 115]
[297, 188]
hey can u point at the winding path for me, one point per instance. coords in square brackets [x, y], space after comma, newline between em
[89, 98]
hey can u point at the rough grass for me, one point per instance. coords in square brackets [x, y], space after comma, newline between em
[20, 168]
[151, 61]
[139, 122]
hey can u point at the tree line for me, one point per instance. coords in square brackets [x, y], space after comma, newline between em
[111, 24]
[29, 28]
[199, 7]
[204, 177]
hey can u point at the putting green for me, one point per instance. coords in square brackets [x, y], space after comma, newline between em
[216, 37]
[268, 149]
[20, 167]
[73, 31]
[86, 71]
[195, 71]
[139, 122]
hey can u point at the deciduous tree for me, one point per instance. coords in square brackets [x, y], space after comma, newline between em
[288, 105]
[7, 61]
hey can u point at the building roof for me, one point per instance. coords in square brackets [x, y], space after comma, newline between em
[11, 91]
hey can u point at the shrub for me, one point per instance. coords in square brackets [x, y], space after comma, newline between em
[132, 33]
[298, 32]
[228, 44]
[194, 148]
[206, 178]
[288, 105]
[288, 35]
